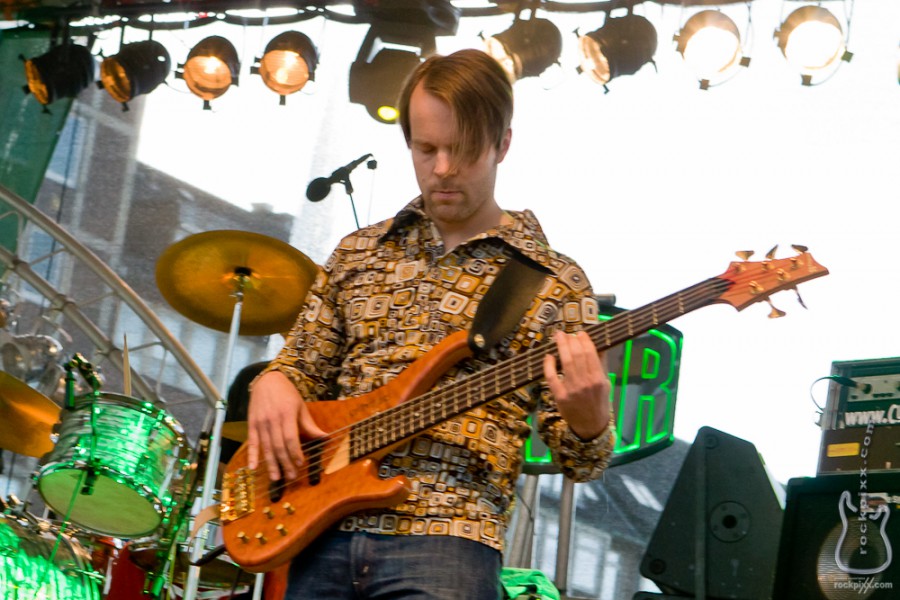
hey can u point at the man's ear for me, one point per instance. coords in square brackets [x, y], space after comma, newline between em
[504, 145]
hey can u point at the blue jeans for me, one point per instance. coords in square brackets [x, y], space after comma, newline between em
[355, 566]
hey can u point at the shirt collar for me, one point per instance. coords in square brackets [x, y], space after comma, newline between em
[523, 232]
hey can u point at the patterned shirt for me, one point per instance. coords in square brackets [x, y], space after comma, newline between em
[387, 295]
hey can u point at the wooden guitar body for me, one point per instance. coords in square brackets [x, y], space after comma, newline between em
[266, 523]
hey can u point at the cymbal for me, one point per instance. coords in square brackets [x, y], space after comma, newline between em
[235, 430]
[28, 418]
[200, 275]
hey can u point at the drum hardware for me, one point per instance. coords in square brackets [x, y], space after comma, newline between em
[207, 277]
[34, 359]
[88, 372]
[164, 555]
[114, 460]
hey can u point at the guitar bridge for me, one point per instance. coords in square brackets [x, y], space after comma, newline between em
[237, 495]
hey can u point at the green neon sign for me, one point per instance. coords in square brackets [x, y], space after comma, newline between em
[644, 376]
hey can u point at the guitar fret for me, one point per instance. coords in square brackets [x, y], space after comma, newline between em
[430, 409]
[359, 443]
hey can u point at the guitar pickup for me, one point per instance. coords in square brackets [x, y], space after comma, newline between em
[237, 495]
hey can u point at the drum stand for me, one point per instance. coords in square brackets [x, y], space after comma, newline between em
[196, 275]
[215, 446]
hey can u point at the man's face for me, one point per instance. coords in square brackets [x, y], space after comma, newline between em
[454, 196]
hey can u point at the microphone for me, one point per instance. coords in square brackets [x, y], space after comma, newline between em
[320, 187]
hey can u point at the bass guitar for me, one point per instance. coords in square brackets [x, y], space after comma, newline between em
[265, 524]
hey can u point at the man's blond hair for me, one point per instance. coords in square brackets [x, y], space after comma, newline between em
[478, 92]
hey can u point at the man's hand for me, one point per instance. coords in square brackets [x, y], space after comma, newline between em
[278, 419]
[582, 387]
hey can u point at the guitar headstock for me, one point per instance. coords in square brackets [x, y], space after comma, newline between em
[756, 281]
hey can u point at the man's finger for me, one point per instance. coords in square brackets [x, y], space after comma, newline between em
[553, 377]
[291, 435]
[252, 448]
[269, 456]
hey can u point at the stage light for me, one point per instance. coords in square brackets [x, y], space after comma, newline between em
[376, 84]
[710, 44]
[288, 62]
[211, 68]
[60, 73]
[812, 41]
[137, 69]
[527, 48]
[379, 71]
[621, 47]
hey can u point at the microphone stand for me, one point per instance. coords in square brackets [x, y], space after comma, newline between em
[348, 187]
[319, 188]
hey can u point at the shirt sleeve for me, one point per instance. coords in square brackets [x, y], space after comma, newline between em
[311, 355]
[579, 460]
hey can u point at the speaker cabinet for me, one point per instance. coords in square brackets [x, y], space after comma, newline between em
[717, 536]
[840, 538]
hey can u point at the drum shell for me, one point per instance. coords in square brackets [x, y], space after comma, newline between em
[37, 561]
[113, 464]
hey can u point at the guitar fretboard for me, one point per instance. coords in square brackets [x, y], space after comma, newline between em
[418, 414]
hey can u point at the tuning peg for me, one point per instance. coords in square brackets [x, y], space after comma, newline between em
[799, 248]
[800, 298]
[744, 254]
[775, 313]
[771, 253]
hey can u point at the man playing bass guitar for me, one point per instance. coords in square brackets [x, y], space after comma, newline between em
[388, 294]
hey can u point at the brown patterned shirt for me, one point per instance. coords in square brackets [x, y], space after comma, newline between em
[386, 296]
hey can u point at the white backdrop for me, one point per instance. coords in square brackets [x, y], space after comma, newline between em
[652, 187]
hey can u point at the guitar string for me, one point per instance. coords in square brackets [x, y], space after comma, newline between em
[626, 324]
[509, 375]
[663, 310]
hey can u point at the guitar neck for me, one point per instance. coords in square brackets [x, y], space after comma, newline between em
[396, 424]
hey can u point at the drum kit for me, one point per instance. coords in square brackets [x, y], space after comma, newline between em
[120, 480]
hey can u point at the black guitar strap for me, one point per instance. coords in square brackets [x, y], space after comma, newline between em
[506, 301]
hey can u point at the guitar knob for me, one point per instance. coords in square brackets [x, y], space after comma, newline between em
[261, 538]
[243, 537]
[288, 507]
[268, 512]
[280, 528]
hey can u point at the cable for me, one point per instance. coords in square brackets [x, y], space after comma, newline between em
[865, 388]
